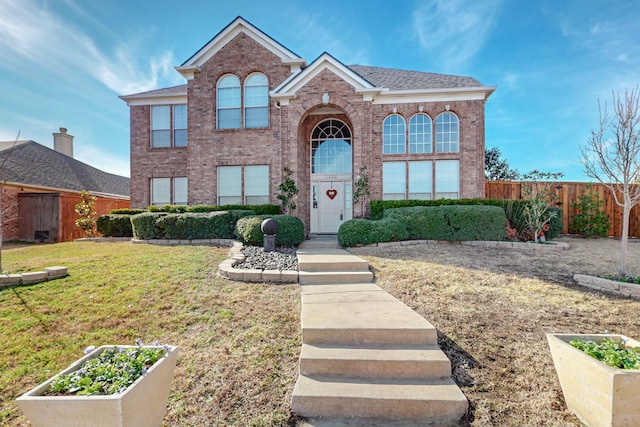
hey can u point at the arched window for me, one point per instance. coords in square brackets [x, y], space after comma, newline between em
[331, 147]
[228, 102]
[447, 133]
[256, 101]
[394, 139]
[420, 138]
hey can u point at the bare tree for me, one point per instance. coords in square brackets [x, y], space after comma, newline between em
[612, 156]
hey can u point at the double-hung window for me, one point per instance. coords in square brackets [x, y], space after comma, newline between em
[247, 185]
[168, 126]
[169, 191]
[256, 101]
[229, 102]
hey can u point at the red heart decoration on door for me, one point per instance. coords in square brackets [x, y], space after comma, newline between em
[331, 194]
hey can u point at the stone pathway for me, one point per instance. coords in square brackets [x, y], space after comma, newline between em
[367, 358]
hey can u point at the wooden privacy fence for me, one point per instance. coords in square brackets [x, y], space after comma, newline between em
[568, 192]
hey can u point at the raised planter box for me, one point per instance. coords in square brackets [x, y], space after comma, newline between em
[598, 394]
[614, 286]
[143, 404]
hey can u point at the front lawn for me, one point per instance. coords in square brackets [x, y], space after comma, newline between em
[239, 342]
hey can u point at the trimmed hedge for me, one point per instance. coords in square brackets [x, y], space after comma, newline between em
[115, 225]
[145, 225]
[188, 225]
[290, 230]
[513, 209]
[364, 232]
[451, 222]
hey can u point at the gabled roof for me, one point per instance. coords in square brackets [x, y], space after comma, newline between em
[33, 164]
[228, 33]
[287, 89]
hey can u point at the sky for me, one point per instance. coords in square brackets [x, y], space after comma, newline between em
[63, 63]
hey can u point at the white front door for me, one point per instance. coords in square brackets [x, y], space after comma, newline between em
[331, 206]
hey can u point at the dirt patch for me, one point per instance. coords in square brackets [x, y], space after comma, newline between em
[492, 308]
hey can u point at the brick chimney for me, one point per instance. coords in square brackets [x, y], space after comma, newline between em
[63, 142]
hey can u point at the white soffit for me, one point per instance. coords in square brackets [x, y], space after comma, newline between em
[239, 25]
[141, 99]
[479, 93]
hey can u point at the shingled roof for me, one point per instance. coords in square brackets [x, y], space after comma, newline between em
[394, 79]
[31, 163]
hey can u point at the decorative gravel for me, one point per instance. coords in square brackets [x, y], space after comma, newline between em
[256, 258]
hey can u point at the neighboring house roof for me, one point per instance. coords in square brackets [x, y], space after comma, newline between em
[394, 79]
[33, 164]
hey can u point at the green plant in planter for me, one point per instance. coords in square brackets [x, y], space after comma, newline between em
[110, 373]
[612, 352]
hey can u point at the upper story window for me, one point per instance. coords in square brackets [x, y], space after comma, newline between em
[256, 101]
[228, 102]
[447, 133]
[168, 126]
[254, 105]
[394, 131]
[420, 136]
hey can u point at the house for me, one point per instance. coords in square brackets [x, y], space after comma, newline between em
[251, 107]
[41, 186]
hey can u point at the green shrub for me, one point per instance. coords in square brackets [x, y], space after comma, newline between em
[364, 232]
[208, 225]
[590, 221]
[145, 225]
[115, 225]
[514, 210]
[452, 222]
[290, 230]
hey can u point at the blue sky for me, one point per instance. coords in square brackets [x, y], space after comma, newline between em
[63, 63]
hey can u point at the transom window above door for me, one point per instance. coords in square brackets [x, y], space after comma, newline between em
[331, 148]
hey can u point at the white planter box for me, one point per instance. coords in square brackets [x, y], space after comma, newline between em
[598, 394]
[142, 404]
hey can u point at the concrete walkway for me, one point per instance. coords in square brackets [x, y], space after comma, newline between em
[367, 359]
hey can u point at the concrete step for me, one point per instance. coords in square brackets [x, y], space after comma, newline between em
[382, 361]
[326, 260]
[331, 277]
[437, 400]
[360, 314]
[321, 241]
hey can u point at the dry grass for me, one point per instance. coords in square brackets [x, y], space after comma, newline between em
[492, 308]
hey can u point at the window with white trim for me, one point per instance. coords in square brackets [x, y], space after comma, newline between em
[169, 191]
[420, 134]
[447, 133]
[447, 179]
[420, 180]
[168, 126]
[423, 181]
[232, 180]
[256, 185]
[394, 134]
[393, 181]
[228, 102]
[256, 101]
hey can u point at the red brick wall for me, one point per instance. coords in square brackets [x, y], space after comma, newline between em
[286, 141]
[10, 223]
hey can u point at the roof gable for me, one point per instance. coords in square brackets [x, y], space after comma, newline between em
[287, 89]
[237, 26]
[29, 163]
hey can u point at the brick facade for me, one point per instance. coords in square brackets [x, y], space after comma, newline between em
[286, 141]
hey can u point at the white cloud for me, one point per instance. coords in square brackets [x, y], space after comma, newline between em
[34, 36]
[453, 31]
